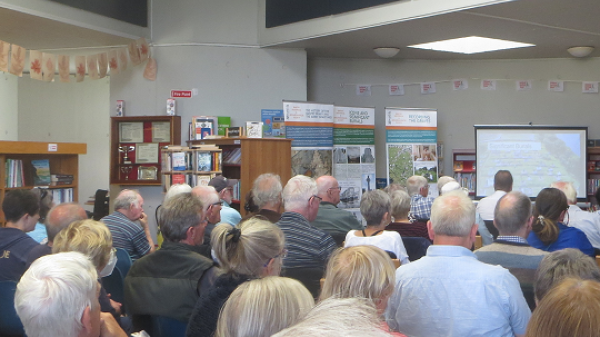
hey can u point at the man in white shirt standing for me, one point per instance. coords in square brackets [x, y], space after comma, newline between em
[588, 222]
[503, 182]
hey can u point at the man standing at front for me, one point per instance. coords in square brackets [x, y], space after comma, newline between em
[128, 225]
[224, 187]
[308, 247]
[449, 292]
[335, 221]
[420, 202]
[503, 183]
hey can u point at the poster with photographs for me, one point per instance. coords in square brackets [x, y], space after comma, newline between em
[311, 162]
[411, 136]
[354, 154]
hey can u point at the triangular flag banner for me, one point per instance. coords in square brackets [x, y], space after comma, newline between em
[48, 66]
[363, 90]
[150, 71]
[103, 64]
[113, 61]
[144, 49]
[488, 84]
[134, 53]
[64, 62]
[589, 87]
[557, 86]
[4, 50]
[35, 64]
[17, 60]
[79, 68]
[460, 84]
[427, 88]
[92, 66]
[123, 59]
[396, 90]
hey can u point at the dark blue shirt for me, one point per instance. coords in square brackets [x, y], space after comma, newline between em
[15, 246]
[568, 237]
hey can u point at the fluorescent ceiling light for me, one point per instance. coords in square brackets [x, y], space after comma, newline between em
[471, 45]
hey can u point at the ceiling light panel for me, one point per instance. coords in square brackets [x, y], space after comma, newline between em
[471, 45]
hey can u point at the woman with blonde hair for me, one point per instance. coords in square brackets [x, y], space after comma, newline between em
[362, 272]
[570, 309]
[252, 249]
[550, 231]
[263, 307]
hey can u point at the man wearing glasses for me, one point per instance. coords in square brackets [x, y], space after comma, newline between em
[224, 187]
[308, 247]
[335, 221]
[212, 207]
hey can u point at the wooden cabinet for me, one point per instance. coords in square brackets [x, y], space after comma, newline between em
[464, 169]
[593, 174]
[192, 166]
[63, 158]
[135, 143]
[256, 156]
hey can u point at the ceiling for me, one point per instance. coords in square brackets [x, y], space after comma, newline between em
[552, 25]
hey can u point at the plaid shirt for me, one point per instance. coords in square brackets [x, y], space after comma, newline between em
[420, 206]
[512, 238]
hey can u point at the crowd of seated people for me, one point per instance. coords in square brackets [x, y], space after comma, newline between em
[236, 289]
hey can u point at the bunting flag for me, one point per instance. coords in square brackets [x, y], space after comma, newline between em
[396, 89]
[134, 53]
[64, 63]
[113, 61]
[557, 86]
[79, 68]
[17, 60]
[428, 88]
[588, 87]
[523, 85]
[35, 64]
[92, 66]
[4, 50]
[460, 84]
[144, 49]
[363, 90]
[123, 59]
[488, 84]
[103, 64]
[48, 66]
[150, 71]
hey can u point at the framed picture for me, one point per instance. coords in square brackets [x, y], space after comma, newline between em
[147, 173]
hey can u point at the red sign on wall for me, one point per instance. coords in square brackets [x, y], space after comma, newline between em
[181, 93]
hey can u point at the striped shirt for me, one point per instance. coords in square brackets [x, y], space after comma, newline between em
[308, 247]
[127, 234]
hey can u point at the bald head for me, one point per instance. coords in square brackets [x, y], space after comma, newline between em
[208, 195]
[328, 189]
[61, 216]
[512, 215]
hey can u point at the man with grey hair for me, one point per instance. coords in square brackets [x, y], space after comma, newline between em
[420, 202]
[458, 295]
[589, 223]
[128, 225]
[308, 247]
[212, 208]
[170, 281]
[58, 296]
[266, 193]
[59, 217]
[335, 221]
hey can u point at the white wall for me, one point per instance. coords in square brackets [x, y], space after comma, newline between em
[236, 82]
[70, 112]
[458, 111]
[9, 109]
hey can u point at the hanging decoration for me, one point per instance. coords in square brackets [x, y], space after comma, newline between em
[4, 50]
[113, 61]
[17, 60]
[48, 66]
[103, 64]
[63, 68]
[79, 68]
[35, 64]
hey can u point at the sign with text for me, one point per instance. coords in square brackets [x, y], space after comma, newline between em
[181, 93]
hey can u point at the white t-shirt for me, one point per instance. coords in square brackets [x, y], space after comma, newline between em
[388, 240]
[487, 205]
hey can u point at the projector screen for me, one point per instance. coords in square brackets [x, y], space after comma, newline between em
[535, 156]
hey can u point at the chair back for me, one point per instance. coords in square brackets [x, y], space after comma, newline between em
[10, 324]
[416, 247]
[113, 284]
[309, 277]
[123, 261]
[100, 204]
[489, 224]
[167, 327]
[339, 238]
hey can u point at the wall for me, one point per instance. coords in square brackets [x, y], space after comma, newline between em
[70, 112]
[9, 109]
[458, 111]
[236, 82]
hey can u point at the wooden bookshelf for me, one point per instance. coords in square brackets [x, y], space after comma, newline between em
[258, 156]
[125, 167]
[464, 169]
[63, 158]
[197, 165]
[593, 174]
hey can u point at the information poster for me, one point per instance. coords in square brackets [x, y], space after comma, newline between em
[411, 137]
[310, 125]
[354, 154]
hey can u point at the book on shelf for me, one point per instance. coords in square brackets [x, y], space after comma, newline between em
[203, 122]
[205, 161]
[234, 132]
[61, 195]
[41, 172]
[254, 129]
[223, 122]
[203, 179]
[232, 156]
[273, 123]
[458, 166]
[178, 160]
[14, 173]
[178, 179]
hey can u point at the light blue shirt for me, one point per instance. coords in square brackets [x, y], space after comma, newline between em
[229, 215]
[449, 292]
[39, 234]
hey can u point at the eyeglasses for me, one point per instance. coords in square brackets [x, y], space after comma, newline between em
[283, 254]
[315, 196]
[219, 204]
[339, 188]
